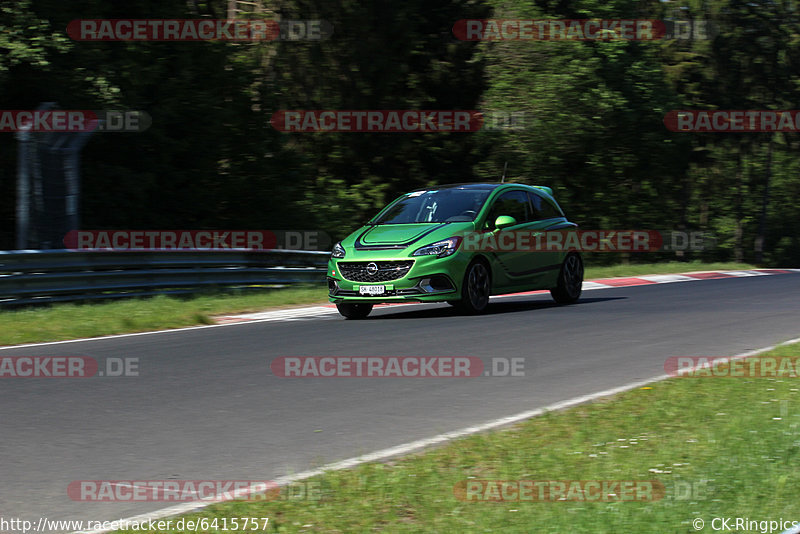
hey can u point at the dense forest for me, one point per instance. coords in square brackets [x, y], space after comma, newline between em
[593, 111]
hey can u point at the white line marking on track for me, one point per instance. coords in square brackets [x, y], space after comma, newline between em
[745, 273]
[588, 286]
[667, 278]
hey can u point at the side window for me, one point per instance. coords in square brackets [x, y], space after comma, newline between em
[542, 208]
[513, 203]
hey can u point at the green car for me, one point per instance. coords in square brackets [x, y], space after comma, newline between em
[426, 246]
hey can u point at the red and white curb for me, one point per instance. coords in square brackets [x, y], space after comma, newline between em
[293, 314]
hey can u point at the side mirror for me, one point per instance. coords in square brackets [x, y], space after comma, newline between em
[504, 221]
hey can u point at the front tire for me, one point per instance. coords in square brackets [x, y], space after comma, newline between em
[354, 311]
[570, 280]
[476, 288]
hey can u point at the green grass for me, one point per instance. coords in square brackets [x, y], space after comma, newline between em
[734, 441]
[70, 321]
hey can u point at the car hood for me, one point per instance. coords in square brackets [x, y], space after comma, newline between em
[406, 234]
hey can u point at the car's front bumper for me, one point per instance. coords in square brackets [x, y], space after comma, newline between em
[429, 279]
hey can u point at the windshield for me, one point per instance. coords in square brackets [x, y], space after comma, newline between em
[436, 206]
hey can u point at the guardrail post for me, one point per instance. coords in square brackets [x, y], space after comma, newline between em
[23, 188]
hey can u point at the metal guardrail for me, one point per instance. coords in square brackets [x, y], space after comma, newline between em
[33, 276]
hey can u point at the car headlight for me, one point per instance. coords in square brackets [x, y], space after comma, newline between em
[440, 248]
[338, 251]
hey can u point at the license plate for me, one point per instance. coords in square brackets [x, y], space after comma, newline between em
[371, 290]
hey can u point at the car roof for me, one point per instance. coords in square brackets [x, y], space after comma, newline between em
[489, 187]
[481, 186]
[461, 186]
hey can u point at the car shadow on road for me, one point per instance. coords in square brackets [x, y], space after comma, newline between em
[495, 307]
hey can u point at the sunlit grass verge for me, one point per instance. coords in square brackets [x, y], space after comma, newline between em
[721, 447]
[71, 321]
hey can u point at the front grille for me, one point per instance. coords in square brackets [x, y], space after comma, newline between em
[356, 271]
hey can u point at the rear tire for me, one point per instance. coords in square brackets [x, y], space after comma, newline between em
[354, 311]
[476, 288]
[570, 280]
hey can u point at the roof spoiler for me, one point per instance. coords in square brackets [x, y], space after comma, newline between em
[544, 188]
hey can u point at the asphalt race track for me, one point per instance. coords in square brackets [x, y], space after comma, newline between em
[206, 406]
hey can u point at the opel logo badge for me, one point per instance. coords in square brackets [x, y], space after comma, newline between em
[372, 268]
